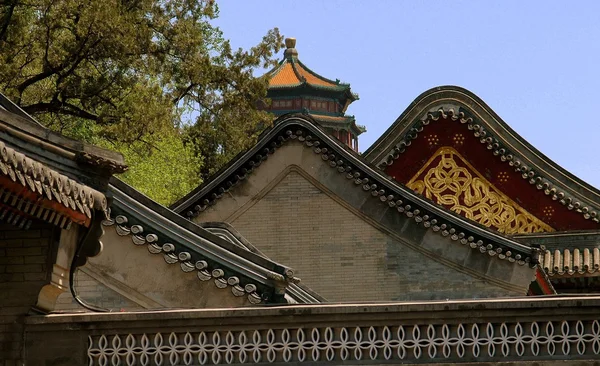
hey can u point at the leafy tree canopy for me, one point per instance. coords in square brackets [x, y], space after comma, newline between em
[139, 76]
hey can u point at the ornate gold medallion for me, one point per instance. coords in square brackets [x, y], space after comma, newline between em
[449, 180]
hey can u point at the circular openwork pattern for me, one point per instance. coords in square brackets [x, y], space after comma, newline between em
[406, 343]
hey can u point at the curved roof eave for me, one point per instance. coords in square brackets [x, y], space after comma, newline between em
[537, 168]
[446, 222]
[309, 70]
[336, 88]
[31, 131]
[186, 236]
[302, 81]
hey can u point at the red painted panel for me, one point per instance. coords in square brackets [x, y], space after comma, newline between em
[27, 194]
[500, 174]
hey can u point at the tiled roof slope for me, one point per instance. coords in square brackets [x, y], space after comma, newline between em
[212, 257]
[292, 73]
[46, 188]
[570, 254]
[48, 176]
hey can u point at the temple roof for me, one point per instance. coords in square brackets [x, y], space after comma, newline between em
[580, 200]
[453, 116]
[376, 185]
[47, 176]
[215, 253]
[292, 73]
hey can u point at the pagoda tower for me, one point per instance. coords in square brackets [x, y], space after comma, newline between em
[294, 88]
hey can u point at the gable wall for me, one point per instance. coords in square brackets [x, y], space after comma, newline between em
[446, 132]
[340, 256]
[24, 270]
[133, 277]
[342, 244]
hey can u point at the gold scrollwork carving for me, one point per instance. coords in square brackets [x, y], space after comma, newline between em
[449, 180]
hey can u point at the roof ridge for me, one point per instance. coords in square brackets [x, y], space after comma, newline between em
[457, 104]
[186, 236]
[33, 132]
[8, 104]
[277, 69]
[278, 73]
[310, 71]
[296, 72]
[423, 211]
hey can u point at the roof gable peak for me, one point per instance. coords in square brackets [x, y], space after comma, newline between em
[451, 104]
[291, 72]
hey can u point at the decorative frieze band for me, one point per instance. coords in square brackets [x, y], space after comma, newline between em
[463, 342]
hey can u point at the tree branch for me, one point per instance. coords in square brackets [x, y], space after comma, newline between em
[59, 108]
[6, 20]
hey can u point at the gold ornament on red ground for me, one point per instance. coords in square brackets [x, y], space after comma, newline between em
[449, 180]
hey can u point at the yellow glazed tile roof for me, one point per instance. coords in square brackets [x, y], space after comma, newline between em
[292, 72]
[312, 79]
[284, 75]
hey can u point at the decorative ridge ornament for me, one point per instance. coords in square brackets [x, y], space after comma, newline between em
[290, 44]
[449, 180]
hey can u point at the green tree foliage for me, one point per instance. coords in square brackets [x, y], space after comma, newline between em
[166, 172]
[122, 73]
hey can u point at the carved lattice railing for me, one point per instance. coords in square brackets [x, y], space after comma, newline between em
[533, 329]
[537, 340]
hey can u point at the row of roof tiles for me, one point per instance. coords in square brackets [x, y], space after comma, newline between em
[291, 72]
[571, 261]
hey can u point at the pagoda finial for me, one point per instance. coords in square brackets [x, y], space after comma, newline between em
[290, 42]
[290, 51]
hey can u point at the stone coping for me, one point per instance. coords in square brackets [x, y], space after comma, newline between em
[530, 305]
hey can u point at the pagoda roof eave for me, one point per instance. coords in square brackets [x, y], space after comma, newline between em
[337, 88]
[347, 122]
[299, 76]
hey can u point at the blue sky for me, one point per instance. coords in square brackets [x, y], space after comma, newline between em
[535, 63]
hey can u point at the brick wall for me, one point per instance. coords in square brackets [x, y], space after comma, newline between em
[94, 293]
[24, 270]
[341, 256]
